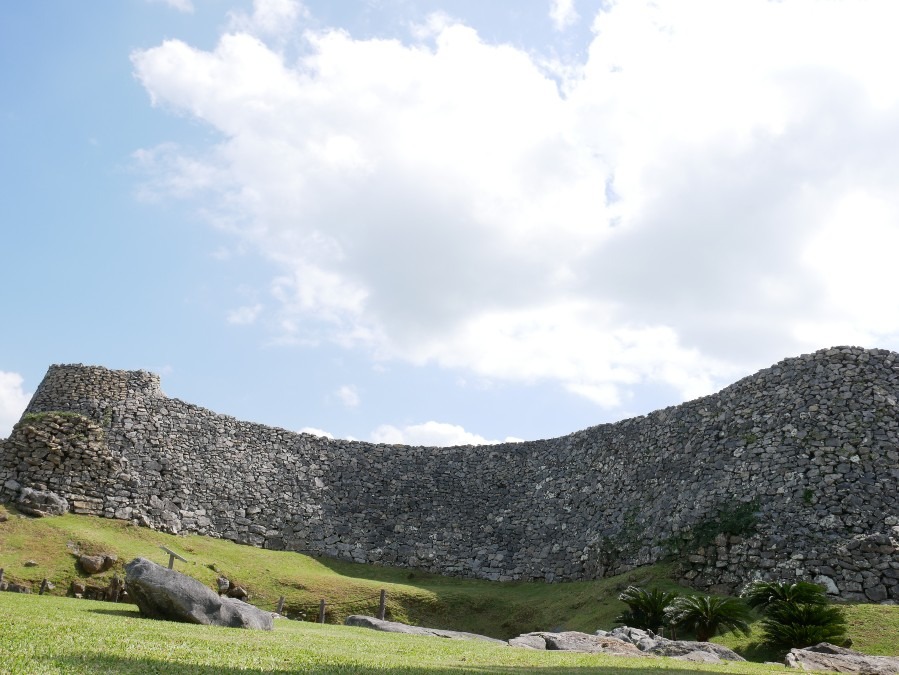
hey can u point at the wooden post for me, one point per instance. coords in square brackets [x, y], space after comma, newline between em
[115, 586]
[280, 604]
[382, 610]
[321, 611]
[43, 587]
[1, 575]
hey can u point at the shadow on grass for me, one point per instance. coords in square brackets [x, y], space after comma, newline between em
[759, 653]
[128, 613]
[100, 663]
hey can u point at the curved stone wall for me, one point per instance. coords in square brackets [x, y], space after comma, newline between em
[789, 473]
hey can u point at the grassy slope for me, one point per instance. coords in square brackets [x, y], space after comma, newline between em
[499, 610]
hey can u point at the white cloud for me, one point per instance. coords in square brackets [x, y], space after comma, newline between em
[430, 434]
[348, 395]
[316, 432]
[13, 401]
[245, 315]
[562, 13]
[269, 17]
[185, 6]
[712, 190]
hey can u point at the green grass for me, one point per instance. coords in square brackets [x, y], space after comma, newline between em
[498, 610]
[62, 635]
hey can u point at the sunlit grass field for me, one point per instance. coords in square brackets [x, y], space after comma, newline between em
[54, 634]
[63, 635]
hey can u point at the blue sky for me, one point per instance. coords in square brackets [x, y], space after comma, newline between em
[442, 222]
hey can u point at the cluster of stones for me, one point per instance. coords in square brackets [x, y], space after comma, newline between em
[788, 474]
[622, 641]
[66, 450]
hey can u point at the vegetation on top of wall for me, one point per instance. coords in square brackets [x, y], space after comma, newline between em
[33, 417]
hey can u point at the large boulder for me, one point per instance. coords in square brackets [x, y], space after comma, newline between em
[41, 503]
[825, 656]
[649, 642]
[362, 621]
[573, 641]
[161, 593]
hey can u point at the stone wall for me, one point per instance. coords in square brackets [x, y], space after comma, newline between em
[789, 473]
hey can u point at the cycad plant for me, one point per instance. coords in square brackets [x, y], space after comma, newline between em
[762, 594]
[797, 614]
[789, 625]
[709, 615]
[646, 609]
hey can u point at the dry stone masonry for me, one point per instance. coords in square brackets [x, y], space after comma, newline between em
[791, 473]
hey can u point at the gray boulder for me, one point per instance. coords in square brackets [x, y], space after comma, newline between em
[13, 587]
[699, 657]
[528, 641]
[161, 593]
[573, 641]
[679, 648]
[41, 503]
[395, 627]
[649, 642]
[825, 656]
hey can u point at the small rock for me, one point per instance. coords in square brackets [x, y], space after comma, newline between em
[30, 563]
[829, 584]
[13, 587]
[238, 592]
[91, 564]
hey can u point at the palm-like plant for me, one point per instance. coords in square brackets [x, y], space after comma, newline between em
[646, 609]
[763, 594]
[796, 614]
[790, 625]
[708, 615]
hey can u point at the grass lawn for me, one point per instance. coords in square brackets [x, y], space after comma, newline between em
[45, 634]
[57, 634]
[490, 608]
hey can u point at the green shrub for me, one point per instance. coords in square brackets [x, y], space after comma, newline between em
[789, 625]
[797, 614]
[709, 615]
[646, 609]
[762, 594]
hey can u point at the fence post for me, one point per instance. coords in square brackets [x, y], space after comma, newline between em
[280, 604]
[43, 587]
[321, 611]
[382, 610]
[1, 575]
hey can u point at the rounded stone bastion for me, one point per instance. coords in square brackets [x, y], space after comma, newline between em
[790, 473]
